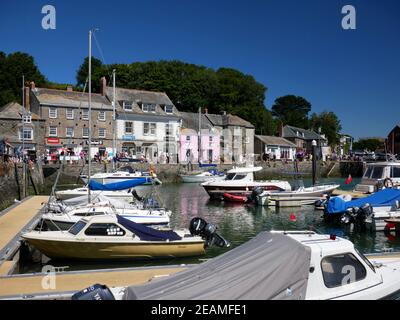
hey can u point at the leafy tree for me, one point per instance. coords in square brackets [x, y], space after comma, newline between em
[329, 124]
[12, 67]
[370, 144]
[83, 73]
[292, 110]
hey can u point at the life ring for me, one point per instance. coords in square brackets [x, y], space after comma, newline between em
[388, 183]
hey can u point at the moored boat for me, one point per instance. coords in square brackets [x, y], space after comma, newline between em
[300, 196]
[241, 181]
[200, 177]
[379, 174]
[115, 237]
[235, 198]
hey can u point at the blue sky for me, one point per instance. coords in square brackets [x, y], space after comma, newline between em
[291, 46]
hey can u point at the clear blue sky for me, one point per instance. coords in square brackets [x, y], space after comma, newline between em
[291, 46]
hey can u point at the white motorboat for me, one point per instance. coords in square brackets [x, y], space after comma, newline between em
[63, 221]
[123, 174]
[278, 265]
[379, 174]
[241, 181]
[376, 221]
[125, 195]
[298, 197]
[200, 177]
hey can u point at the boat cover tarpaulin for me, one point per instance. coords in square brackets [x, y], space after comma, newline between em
[147, 233]
[270, 266]
[385, 197]
[83, 201]
[123, 185]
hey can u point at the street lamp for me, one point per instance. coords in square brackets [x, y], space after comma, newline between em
[314, 162]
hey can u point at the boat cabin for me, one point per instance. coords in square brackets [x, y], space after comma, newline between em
[337, 269]
[379, 174]
[243, 174]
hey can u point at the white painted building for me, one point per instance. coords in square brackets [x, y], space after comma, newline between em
[276, 147]
[147, 125]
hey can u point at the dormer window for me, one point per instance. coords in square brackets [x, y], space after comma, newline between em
[169, 109]
[127, 105]
[27, 118]
[148, 107]
[302, 134]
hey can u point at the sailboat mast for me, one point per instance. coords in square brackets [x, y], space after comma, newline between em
[90, 112]
[199, 133]
[113, 127]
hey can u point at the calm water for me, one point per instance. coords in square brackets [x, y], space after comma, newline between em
[237, 223]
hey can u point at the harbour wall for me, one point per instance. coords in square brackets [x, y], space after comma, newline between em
[12, 182]
[169, 173]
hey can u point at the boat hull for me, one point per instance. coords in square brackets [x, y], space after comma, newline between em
[86, 250]
[199, 179]
[217, 192]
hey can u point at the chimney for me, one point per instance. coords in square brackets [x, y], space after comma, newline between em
[27, 99]
[223, 113]
[69, 88]
[103, 85]
[205, 110]
[32, 84]
[280, 129]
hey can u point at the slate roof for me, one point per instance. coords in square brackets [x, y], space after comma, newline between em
[63, 98]
[275, 141]
[291, 132]
[14, 110]
[137, 97]
[190, 120]
[228, 120]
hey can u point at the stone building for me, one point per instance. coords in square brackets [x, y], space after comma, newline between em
[237, 137]
[147, 124]
[302, 138]
[393, 140]
[66, 116]
[276, 147]
[22, 128]
[189, 139]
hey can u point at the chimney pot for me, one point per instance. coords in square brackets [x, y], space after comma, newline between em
[223, 113]
[103, 85]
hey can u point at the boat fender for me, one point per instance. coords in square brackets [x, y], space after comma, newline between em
[95, 292]
[388, 183]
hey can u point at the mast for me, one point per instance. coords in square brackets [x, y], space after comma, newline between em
[23, 139]
[113, 127]
[199, 133]
[90, 112]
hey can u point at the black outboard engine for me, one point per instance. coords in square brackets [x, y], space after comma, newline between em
[135, 194]
[252, 197]
[349, 216]
[208, 231]
[95, 292]
[363, 213]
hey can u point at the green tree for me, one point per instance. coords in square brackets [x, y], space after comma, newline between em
[292, 110]
[12, 67]
[98, 70]
[329, 124]
[370, 144]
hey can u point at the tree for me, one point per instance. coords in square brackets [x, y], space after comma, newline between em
[370, 144]
[329, 124]
[12, 67]
[97, 72]
[292, 110]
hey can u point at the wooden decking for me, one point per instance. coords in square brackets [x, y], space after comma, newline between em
[22, 285]
[339, 192]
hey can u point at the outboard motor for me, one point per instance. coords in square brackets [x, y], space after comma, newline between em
[95, 292]
[208, 231]
[252, 197]
[349, 216]
[363, 213]
[135, 194]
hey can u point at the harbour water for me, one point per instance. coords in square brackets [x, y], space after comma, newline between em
[237, 223]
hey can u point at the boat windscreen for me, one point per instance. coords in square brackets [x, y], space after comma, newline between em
[77, 227]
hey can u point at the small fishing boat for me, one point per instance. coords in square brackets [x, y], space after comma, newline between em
[278, 265]
[301, 196]
[110, 237]
[240, 180]
[235, 198]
